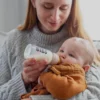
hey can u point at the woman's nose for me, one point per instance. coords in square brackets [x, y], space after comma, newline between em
[55, 15]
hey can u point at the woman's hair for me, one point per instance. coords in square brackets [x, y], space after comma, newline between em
[31, 18]
[74, 26]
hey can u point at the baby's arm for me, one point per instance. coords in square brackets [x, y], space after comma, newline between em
[63, 87]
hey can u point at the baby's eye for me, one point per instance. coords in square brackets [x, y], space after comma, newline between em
[61, 50]
[71, 55]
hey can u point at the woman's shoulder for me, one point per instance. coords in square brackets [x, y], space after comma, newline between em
[15, 33]
[15, 37]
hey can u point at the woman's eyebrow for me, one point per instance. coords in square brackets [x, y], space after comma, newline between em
[65, 5]
[49, 3]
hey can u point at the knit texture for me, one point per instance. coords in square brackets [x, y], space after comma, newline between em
[61, 81]
[91, 93]
[11, 58]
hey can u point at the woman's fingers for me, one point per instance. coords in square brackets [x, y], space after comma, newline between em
[41, 65]
[32, 69]
[29, 69]
[29, 62]
[31, 77]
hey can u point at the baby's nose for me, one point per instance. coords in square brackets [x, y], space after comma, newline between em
[63, 56]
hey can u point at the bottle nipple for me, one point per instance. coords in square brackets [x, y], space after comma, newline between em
[55, 59]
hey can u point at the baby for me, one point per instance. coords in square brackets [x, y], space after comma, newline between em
[67, 78]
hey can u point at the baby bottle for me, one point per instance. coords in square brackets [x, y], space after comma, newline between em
[38, 53]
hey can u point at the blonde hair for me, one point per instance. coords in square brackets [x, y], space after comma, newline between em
[31, 19]
[74, 26]
[88, 50]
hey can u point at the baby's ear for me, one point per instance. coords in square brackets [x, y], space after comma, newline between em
[86, 68]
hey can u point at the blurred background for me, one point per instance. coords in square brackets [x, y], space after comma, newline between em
[12, 14]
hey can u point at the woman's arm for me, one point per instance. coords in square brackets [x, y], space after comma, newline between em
[12, 84]
[10, 87]
[93, 86]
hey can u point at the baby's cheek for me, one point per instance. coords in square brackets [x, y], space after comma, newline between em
[69, 61]
[66, 61]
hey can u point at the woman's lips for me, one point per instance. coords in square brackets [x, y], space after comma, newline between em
[53, 24]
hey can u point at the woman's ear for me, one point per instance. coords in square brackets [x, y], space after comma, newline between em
[33, 3]
[86, 68]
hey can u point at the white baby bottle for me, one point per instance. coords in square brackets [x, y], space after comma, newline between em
[33, 51]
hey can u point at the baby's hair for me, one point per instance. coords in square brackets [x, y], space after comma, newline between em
[88, 49]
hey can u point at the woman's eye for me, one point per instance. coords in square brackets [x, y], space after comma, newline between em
[48, 6]
[64, 8]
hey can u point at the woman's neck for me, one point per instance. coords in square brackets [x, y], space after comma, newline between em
[50, 39]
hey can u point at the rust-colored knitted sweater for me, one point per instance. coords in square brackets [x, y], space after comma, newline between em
[61, 81]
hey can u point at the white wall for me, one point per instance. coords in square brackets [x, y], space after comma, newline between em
[12, 13]
[91, 16]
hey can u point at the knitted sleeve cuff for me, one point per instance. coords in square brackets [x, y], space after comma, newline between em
[15, 88]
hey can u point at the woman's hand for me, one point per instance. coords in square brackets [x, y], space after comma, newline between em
[32, 70]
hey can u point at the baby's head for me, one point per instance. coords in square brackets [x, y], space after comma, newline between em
[77, 51]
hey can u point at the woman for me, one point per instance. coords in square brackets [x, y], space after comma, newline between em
[48, 24]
